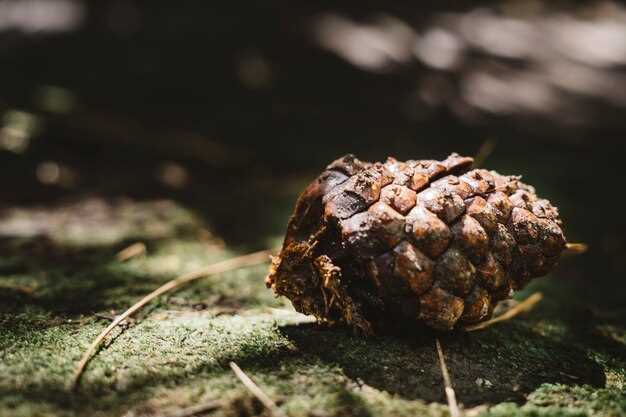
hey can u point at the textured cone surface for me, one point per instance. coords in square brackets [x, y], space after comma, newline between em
[404, 243]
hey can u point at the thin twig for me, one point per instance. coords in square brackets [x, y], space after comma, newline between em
[450, 395]
[196, 409]
[130, 252]
[125, 324]
[256, 391]
[575, 248]
[217, 268]
[486, 148]
[526, 305]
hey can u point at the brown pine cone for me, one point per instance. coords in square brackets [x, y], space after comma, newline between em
[373, 244]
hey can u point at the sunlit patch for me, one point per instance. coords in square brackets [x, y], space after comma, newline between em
[440, 49]
[95, 221]
[55, 173]
[520, 59]
[48, 173]
[18, 127]
[378, 46]
[598, 43]
[173, 175]
[508, 94]
[499, 35]
[32, 16]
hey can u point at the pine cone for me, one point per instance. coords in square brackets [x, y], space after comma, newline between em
[374, 245]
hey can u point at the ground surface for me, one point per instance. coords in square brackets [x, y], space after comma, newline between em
[60, 279]
[193, 128]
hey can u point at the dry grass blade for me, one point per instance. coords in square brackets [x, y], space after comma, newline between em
[526, 305]
[575, 248]
[130, 252]
[217, 268]
[485, 150]
[256, 391]
[450, 395]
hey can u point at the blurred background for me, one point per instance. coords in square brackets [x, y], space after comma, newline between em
[228, 109]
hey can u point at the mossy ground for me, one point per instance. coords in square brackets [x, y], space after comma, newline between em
[59, 279]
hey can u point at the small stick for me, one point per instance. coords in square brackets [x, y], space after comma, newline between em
[196, 409]
[486, 148]
[256, 391]
[217, 268]
[575, 248]
[133, 250]
[450, 395]
[526, 305]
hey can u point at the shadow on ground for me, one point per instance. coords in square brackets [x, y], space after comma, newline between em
[65, 279]
[487, 367]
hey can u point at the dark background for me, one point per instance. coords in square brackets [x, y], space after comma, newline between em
[229, 108]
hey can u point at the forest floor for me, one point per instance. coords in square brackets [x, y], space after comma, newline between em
[158, 131]
[60, 282]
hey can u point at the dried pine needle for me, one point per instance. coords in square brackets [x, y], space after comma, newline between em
[450, 394]
[524, 306]
[485, 150]
[131, 251]
[217, 268]
[257, 391]
[575, 248]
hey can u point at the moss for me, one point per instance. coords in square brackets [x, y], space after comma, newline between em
[54, 295]
[563, 400]
[512, 410]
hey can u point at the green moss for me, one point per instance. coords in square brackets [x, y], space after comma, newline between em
[563, 400]
[54, 293]
[512, 410]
